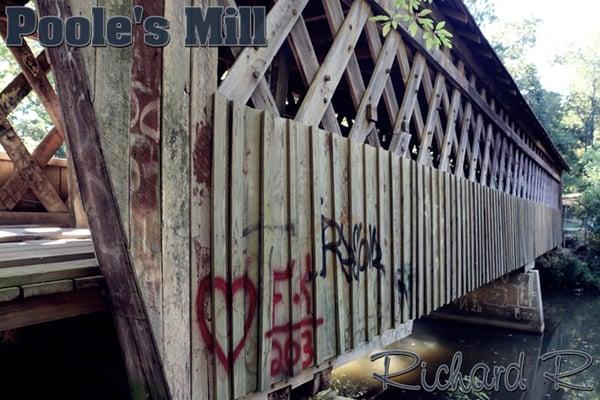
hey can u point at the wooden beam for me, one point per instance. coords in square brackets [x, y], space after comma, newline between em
[456, 15]
[327, 79]
[469, 36]
[34, 218]
[262, 98]
[409, 102]
[360, 128]
[450, 135]
[37, 310]
[405, 70]
[374, 43]
[251, 64]
[133, 328]
[37, 79]
[335, 18]
[19, 88]
[308, 64]
[203, 86]
[442, 62]
[486, 157]
[29, 170]
[14, 188]
[459, 168]
[432, 118]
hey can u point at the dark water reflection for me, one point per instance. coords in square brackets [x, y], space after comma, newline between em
[571, 323]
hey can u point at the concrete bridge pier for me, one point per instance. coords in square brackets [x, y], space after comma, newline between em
[513, 301]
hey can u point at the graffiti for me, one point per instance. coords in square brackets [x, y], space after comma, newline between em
[402, 288]
[258, 227]
[354, 256]
[288, 352]
[241, 286]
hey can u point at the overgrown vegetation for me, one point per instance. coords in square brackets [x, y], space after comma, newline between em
[571, 120]
[416, 16]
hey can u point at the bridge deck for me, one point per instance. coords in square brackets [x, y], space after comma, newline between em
[46, 274]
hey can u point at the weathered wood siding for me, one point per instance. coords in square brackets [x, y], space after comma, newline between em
[265, 247]
[314, 252]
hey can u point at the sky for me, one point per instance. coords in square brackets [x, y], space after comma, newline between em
[564, 25]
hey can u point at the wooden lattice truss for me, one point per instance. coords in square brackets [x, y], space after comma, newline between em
[28, 173]
[434, 111]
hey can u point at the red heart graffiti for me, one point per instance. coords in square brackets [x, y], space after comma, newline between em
[243, 284]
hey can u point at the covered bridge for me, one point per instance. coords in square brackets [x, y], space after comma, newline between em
[262, 214]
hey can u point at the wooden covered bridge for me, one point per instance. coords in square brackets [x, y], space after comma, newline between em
[262, 214]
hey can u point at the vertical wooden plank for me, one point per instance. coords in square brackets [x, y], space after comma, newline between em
[407, 264]
[84, 8]
[435, 239]
[371, 210]
[220, 238]
[384, 241]
[270, 252]
[144, 169]
[447, 226]
[342, 267]
[357, 221]
[203, 85]
[413, 190]
[442, 238]
[454, 240]
[469, 225]
[175, 170]
[112, 106]
[460, 236]
[421, 237]
[247, 280]
[237, 246]
[397, 266]
[477, 235]
[428, 242]
[275, 247]
[325, 337]
[301, 245]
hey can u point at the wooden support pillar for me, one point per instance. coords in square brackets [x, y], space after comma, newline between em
[140, 351]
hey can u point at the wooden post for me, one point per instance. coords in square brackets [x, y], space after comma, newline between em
[140, 351]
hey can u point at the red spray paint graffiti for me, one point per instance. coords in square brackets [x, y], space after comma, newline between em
[242, 285]
[287, 351]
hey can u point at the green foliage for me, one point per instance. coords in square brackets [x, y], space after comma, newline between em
[567, 269]
[415, 16]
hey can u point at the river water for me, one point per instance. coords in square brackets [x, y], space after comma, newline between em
[572, 323]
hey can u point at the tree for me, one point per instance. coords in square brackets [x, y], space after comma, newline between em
[483, 11]
[29, 119]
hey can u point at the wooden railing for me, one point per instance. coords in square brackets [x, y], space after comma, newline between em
[322, 245]
[437, 113]
[29, 210]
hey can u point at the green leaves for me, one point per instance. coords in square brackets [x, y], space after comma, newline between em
[416, 17]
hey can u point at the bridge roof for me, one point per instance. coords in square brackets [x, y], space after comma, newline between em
[497, 75]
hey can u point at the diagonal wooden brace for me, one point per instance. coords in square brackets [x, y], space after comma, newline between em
[29, 170]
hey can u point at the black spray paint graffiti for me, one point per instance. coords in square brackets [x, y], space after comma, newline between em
[354, 256]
